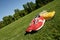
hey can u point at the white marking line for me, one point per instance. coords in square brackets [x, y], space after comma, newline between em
[42, 25]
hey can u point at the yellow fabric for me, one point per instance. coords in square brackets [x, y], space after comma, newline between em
[48, 15]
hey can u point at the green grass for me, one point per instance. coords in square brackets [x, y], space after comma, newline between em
[50, 31]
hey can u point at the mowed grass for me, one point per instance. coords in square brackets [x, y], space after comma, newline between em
[51, 29]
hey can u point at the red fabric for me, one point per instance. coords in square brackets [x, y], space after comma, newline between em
[33, 25]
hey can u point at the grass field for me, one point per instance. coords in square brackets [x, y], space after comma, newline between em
[50, 31]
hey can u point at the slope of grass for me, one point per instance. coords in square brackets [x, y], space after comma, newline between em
[50, 31]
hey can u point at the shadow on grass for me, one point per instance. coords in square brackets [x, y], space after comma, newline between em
[32, 32]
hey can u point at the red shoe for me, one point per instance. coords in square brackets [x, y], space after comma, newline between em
[36, 24]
